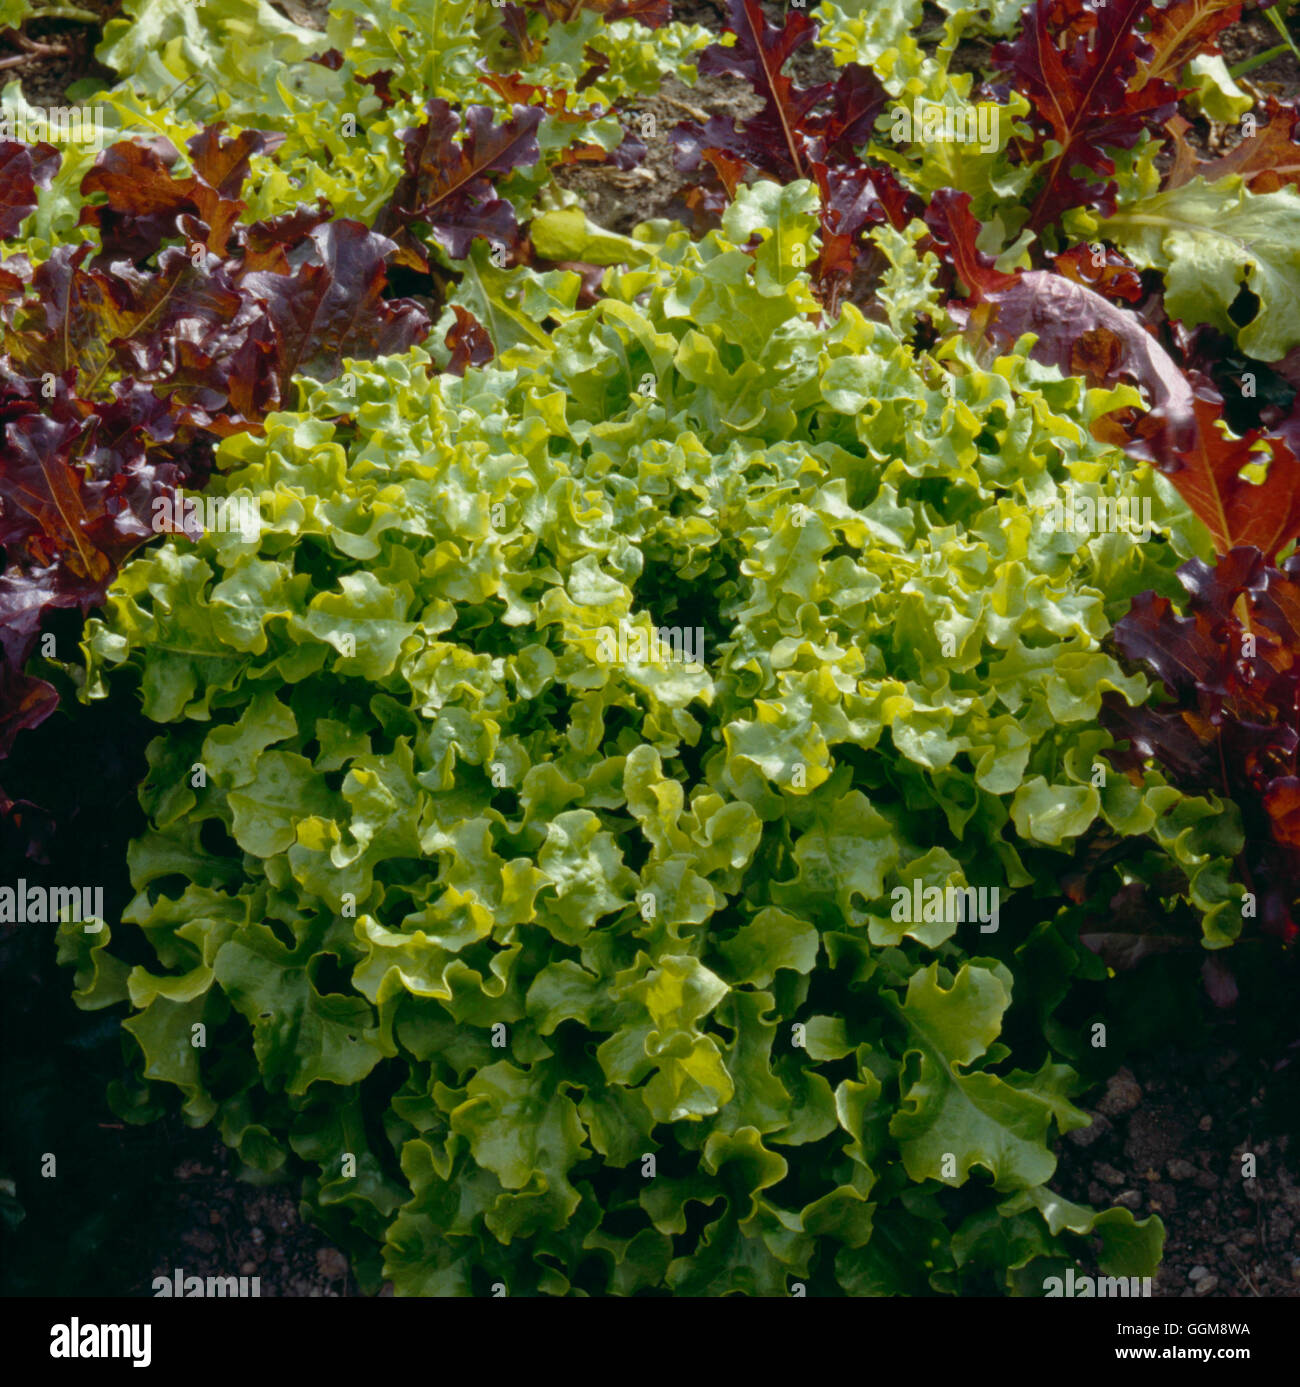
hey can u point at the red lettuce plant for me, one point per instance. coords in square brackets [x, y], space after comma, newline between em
[1231, 668]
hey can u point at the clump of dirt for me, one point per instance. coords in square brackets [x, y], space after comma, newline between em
[1172, 1137]
[311, 14]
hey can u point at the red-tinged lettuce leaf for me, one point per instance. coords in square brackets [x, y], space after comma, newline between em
[1263, 515]
[1266, 161]
[24, 598]
[1231, 726]
[268, 243]
[1181, 30]
[800, 132]
[758, 55]
[519, 45]
[1255, 395]
[120, 369]
[23, 169]
[30, 827]
[87, 322]
[64, 503]
[730, 151]
[15, 276]
[1078, 331]
[797, 127]
[855, 101]
[652, 13]
[1078, 61]
[25, 702]
[629, 153]
[447, 183]
[380, 83]
[47, 501]
[468, 342]
[222, 332]
[147, 205]
[512, 87]
[853, 200]
[1104, 270]
[331, 305]
[223, 162]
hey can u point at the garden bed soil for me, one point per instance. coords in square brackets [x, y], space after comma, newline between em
[1169, 1137]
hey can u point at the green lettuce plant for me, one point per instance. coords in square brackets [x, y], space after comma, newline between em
[569, 965]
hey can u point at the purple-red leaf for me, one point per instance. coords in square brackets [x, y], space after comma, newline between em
[121, 369]
[332, 305]
[1078, 63]
[1231, 665]
[1078, 331]
[447, 180]
[23, 169]
[468, 341]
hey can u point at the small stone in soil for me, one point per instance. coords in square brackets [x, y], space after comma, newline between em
[331, 1262]
[1198, 1273]
[1206, 1123]
[1108, 1174]
[1181, 1169]
[1207, 1285]
[1130, 1199]
[1123, 1094]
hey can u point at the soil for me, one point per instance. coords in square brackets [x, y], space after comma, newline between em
[1168, 1134]
[57, 53]
[1169, 1137]
[211, 1224]
[121, 1203]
